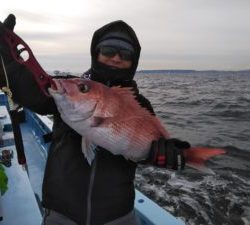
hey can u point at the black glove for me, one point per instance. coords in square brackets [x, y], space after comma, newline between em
[168, 153]
[9, 23]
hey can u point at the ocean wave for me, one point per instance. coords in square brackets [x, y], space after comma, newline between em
[207, 109]
[235, 114]
[200, 198]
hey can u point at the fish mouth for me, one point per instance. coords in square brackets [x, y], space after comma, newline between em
[57, 88]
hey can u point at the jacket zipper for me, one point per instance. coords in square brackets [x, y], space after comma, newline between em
[90, 189]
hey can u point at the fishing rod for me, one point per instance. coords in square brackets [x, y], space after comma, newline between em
[15, 119]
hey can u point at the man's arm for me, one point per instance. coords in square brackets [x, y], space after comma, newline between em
[22, 84]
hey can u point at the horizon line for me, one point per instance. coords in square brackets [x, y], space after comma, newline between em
[195, 70]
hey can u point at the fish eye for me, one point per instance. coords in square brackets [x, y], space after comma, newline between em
[84, 88]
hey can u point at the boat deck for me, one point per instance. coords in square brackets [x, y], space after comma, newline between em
[19, 204]
[35, 159]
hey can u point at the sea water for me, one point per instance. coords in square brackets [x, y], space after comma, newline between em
[208, 108]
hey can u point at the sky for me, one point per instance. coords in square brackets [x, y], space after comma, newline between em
[174, 34]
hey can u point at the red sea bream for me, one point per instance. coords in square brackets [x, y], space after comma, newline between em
[113, 119]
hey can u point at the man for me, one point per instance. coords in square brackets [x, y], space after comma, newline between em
[74, 192]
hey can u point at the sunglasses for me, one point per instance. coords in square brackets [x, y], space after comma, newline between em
[110, 51]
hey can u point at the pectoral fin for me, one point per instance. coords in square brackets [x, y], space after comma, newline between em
[100, 121]
[88, 149]
[97, 121]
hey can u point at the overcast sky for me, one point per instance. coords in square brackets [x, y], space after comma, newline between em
[174, 34]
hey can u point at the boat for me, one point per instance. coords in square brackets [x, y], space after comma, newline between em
[21, 203]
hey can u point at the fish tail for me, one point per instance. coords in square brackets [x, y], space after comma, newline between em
[197, 156]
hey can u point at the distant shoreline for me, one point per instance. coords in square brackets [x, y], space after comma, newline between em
[192, 71]
[170, 71]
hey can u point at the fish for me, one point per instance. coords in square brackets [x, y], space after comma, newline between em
[112, 118]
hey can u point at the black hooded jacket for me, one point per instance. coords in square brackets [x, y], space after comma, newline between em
[95, 194]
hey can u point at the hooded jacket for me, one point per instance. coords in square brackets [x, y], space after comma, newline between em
[92, 195]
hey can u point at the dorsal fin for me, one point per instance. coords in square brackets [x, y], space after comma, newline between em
[126, 94]
[124, 91]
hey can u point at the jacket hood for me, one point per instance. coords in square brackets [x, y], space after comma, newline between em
[98, 69]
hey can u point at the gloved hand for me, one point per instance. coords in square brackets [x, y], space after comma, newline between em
[8, 23]
[5, 53]
[168, 153]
